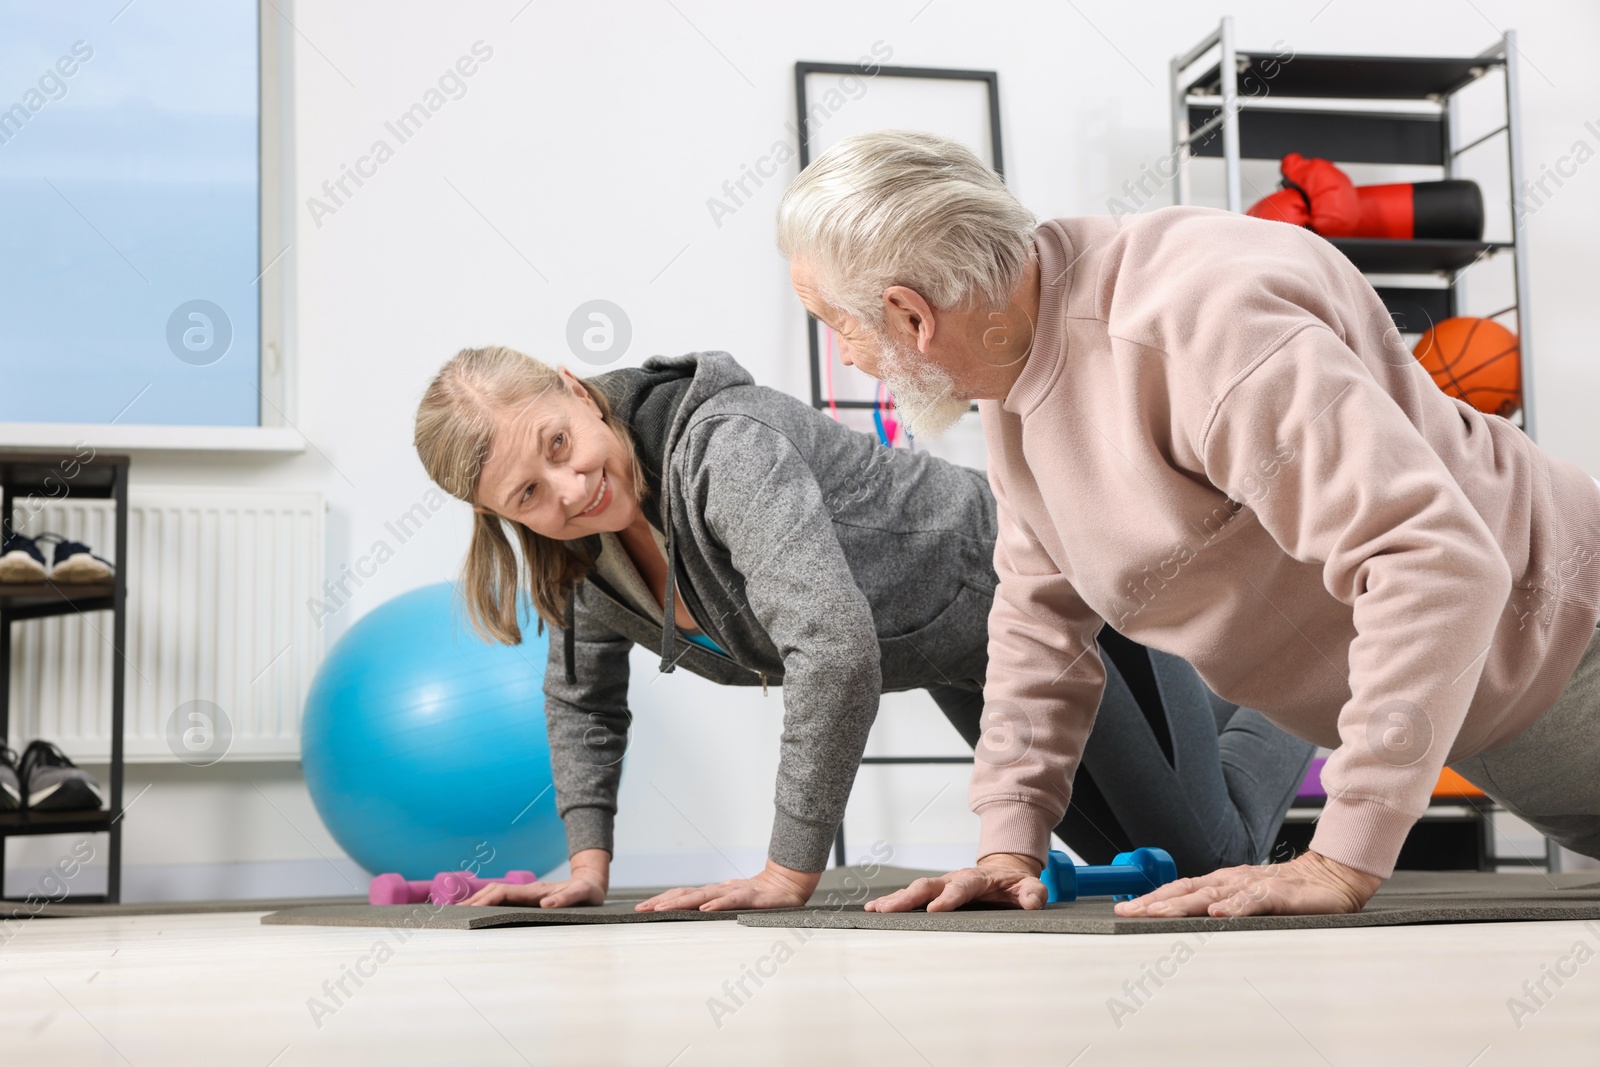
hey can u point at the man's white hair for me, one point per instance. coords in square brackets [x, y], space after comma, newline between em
[898, 207]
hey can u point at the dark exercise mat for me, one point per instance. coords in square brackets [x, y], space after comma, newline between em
[840, 886]
[1410, 897]
[1488, 883]
[846, 884]
[67, 909]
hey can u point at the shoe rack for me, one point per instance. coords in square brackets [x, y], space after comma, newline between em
[59, 475]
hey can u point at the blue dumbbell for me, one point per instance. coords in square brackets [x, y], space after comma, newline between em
[1129, 875]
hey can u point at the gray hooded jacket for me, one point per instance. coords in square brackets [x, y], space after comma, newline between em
[816, 558]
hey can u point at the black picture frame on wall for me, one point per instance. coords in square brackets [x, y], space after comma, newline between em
[805, 68]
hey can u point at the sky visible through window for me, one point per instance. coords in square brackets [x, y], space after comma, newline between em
[129, 176]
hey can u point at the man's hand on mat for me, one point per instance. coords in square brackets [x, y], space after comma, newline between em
[776, 886]
[591, 877]
[999, 878]
[1309, 884]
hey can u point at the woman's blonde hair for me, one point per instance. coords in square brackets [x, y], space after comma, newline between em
[454, 432]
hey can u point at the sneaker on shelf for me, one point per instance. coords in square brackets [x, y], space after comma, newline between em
[74, 562]
[53, 782]
[10, 784]
[20, 559]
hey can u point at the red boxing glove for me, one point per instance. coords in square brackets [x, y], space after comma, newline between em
[1316, 195]
[1334, 204]
[1285, 205]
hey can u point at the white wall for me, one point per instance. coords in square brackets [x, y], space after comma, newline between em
[578, 165]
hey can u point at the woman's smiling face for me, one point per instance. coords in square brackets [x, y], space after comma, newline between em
[558, 469]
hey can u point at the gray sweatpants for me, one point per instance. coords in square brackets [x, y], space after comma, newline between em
[1549, 775]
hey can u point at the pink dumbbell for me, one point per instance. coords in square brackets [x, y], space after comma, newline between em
[446, 887]
[393, 889]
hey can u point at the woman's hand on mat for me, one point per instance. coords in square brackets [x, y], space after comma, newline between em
[591, 877]
[1309, 884]
[776, 886]
[999, 878]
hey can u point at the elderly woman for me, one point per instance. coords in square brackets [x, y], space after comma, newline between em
[751, 540]
[1204, 429]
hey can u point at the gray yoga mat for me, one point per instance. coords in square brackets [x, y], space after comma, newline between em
[837, 887]
[848, 884]
[67, 909]
[1410, 897]
[1490, 883]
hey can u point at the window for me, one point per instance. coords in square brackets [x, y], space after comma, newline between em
[132, 288]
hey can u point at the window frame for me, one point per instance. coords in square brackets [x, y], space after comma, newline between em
[277, 405]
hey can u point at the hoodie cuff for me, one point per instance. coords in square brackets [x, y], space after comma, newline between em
[800, 844]
[588, 828]
[1360, 833]
[1014, 826]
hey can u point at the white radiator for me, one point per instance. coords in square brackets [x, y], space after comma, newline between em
[218, 586]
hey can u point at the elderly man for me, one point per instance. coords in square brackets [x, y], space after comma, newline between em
[1205, 430]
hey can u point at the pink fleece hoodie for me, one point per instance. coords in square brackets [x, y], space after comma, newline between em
[1220, 446]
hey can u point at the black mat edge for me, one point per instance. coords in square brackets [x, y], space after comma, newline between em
[473, 917]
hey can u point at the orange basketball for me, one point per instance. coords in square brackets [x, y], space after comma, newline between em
[1475, 360]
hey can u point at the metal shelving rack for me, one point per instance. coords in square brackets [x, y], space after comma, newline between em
[54, 475]
[1357, 109]
[1362, 109]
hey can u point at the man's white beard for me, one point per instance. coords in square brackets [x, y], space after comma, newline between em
[924, 394]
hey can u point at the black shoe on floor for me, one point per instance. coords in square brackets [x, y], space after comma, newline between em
[10, 784]
[52, 782]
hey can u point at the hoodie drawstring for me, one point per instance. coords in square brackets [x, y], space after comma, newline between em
[571, 648]
[669, 611]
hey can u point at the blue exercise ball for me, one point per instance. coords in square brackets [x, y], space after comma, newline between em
[424, 746]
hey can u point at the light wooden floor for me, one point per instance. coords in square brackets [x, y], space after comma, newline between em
[221, 989]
